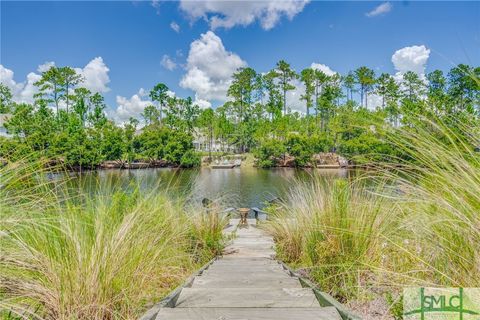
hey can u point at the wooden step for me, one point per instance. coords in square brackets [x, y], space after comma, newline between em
[326, 313]
[247, 298]
[245, 274]
[245, 267]
[232, 257]
[246, 282]
[247, 261]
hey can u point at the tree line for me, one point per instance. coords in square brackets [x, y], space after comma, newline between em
[68, 123]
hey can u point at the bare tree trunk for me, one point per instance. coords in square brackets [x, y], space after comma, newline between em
[361, 95]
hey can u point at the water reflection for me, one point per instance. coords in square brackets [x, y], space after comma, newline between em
[248, 187]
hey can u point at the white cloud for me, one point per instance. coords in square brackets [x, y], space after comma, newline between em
[324, 68]
[130, 107]
[95, 75]
[382, 9]
[210, 67]
[412, 58]
[294, 101]
[29, 90]
[46, 66]
[168, 63]
[203, 104]
[156, 5]
[6, 78]
[228, 14]
[374, 101]
[175, 27]
[22, 91]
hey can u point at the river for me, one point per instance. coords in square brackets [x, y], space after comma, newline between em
[239, 187]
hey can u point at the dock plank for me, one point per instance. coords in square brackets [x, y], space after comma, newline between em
[247, 298]
[246, 283]
[327, 313]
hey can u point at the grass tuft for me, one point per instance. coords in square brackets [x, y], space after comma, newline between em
[100, 256]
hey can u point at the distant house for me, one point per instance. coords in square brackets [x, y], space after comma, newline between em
[201, 142]
[3, 119]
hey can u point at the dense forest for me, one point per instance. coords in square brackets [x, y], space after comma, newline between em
[67, 123]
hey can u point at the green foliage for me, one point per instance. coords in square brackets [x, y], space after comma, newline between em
[396, 305]
[190, 159]
[268, 151]
[69, 123]
[82, 136]
[301, 147]
[158, 142]
[5, 99]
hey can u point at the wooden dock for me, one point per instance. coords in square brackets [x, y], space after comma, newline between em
[247, 283]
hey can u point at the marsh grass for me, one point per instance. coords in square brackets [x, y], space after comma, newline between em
[335, 231]
[418, 224]
[105, 256]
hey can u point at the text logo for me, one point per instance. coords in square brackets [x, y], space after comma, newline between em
[441, 303]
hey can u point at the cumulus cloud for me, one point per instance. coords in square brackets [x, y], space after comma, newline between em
[175, 27]
[210, 67]
[6, 78]
[412, 58]
[168, 63]
[294, 101]
[21, 91]
[382, 9]
[203, 104]
[131, 107]
[228, 14]
[29, 90]
[95, 76]
[46, 66]
[324, 68]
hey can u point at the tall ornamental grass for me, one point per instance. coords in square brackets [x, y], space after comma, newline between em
[335, 231]
[418, 224]
[442, 198]
[66, 255]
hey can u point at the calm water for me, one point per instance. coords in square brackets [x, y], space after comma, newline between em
[248, 187]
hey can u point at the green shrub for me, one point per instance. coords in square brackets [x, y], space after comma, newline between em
[190, 159]
[268, 151]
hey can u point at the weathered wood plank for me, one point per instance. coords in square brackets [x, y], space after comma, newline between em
[243, 273]
[328, 313]
[245, 268]
[247, 297]
[245, 282]
[247, 276]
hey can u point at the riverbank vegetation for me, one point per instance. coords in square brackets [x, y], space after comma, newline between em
[102, 255]
[417, 225]
[351, 115]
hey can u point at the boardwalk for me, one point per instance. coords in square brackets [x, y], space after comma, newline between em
[247, 284]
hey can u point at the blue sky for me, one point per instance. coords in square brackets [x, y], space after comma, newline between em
[131, 39]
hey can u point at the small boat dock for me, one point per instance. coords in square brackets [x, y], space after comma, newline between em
[246, 283]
